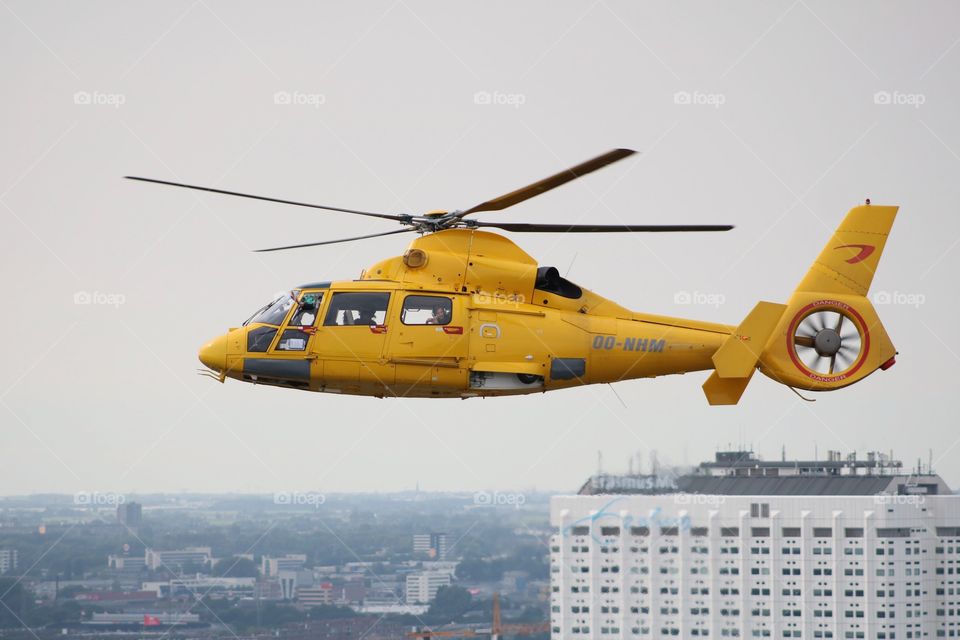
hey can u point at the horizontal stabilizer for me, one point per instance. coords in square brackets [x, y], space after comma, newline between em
[737, 357]
[721, 391]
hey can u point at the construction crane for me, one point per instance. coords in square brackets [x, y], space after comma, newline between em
[496, 631]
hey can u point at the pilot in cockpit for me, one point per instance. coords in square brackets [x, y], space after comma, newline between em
[306, 312]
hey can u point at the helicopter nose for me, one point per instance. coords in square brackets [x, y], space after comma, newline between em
[214, 354]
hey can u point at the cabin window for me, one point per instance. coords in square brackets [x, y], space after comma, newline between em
[426, 310]
[357, 308]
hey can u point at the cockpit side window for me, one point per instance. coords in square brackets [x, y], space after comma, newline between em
[307, 310]
[357, 308]
[426, 310]
[301, 326]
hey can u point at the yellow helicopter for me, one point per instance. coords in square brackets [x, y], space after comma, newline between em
[467, 313]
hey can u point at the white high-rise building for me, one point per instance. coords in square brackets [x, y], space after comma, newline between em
[742, 548]
[422, 587]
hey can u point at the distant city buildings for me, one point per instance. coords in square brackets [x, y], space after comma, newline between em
[178, 559]
[422, 587]
[433, 545]
[116, 621]
[352, 591]
[288, 584]
[321, 594]
[272, 566]
[125, 562]
[130, 514]
[404, 587]
[8, 560]
[137, 590]
[201, 584]
[739, 547]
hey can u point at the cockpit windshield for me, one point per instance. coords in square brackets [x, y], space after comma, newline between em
[275, 312]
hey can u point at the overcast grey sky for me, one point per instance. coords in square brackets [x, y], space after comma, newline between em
[379, 110]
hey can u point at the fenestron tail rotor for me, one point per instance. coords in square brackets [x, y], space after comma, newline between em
[828, 342]
[439, 221]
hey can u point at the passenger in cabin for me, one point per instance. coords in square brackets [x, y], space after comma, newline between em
[439, 316]
[365, 317]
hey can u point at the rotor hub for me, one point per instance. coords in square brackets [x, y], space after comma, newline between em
[827, 342]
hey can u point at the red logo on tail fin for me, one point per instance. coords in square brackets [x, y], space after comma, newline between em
[865, 251]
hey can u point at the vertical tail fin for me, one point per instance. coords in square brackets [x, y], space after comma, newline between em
[847, 264]
[830, 336]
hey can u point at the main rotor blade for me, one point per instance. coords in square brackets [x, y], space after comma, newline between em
[554, 181]
[522, 227]
[385, 216]
[317, 244]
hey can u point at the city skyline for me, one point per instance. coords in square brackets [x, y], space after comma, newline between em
[640, 463]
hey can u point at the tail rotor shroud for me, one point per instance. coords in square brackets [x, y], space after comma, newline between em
[828, 342]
